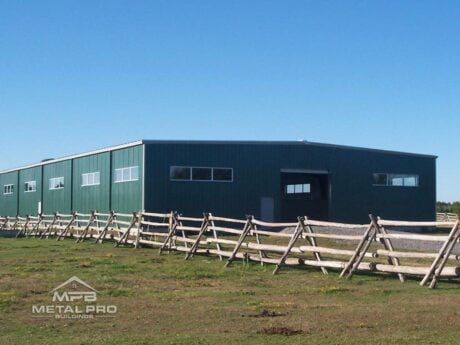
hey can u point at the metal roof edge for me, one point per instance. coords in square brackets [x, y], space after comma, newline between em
[345, 147]
[299, 142]
[248, 142]
[84, 154]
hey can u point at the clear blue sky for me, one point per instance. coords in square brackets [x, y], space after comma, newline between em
[80, 75]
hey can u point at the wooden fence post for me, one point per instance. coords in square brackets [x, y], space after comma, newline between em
[297, 232]
[124, 238]
[203, 229]
[248, 226]
[308, 229]
[361, 249]
[442, 257]
[140, 215]
[36, 227]
[214, 233]
[23, 227]
[173, 223]
[49, 227]
[16, 221]
[104, 231]
[63, 233]
[386, 244]
[262, 254]
[87, 227]
[4, 223]
[449, 249]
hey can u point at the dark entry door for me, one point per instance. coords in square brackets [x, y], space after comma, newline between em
[304, 194]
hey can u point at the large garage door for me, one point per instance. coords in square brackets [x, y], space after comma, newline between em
[304, 194]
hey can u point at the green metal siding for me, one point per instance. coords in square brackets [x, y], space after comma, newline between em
[58, 200]
[127, 196]
[257, 175]
[28, 201]
[9, 202]
[97, 197]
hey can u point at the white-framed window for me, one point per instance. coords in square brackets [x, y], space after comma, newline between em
[222, 174]
[397, 180]
[126, 174]
[184, 173]
[8, 189]
[30, 186]
[56, 183]
[91, 179]
[180, 173]
[299, 188]
[201, 174]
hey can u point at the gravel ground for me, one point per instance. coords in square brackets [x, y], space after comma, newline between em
[404, 244]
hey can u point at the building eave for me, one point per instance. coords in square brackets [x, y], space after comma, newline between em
[89, 153]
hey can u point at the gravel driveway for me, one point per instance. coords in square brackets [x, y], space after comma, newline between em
[405, 244]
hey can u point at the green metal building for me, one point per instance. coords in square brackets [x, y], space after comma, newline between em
[271, 180]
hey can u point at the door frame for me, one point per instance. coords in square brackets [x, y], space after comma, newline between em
[313, 172]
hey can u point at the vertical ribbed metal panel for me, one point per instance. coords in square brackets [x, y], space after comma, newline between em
[257, 174]
[58, 200]
[127, 196]
[28, 201]
[96, 197]
[9, 202]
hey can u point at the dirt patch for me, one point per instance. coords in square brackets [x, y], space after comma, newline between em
[280, 331]
[265, 313]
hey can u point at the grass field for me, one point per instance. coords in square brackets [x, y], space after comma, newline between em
[166, 300]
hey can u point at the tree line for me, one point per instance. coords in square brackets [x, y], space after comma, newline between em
[448, 207]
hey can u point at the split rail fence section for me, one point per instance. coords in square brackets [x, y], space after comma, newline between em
[446, 217]
[349, 248]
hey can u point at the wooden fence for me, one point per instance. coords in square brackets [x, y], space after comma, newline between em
[446, 217]
[349, 248]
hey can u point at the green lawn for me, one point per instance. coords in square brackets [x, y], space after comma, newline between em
[163, 299]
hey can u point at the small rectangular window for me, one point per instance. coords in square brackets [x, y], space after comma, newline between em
[201, 174]
[30, 186]
[8, 189]
[84, 179]
[118, 175]
[403, 180]
[180, 173]
[411, 181]
[380, 179]
[396, 180]
[90, 179]
[222, 174]
[126, 174]
[300, 188]
[134, 173]
[56, 183]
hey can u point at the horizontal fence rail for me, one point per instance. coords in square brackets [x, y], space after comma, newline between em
[348, 248]
[446, 217]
